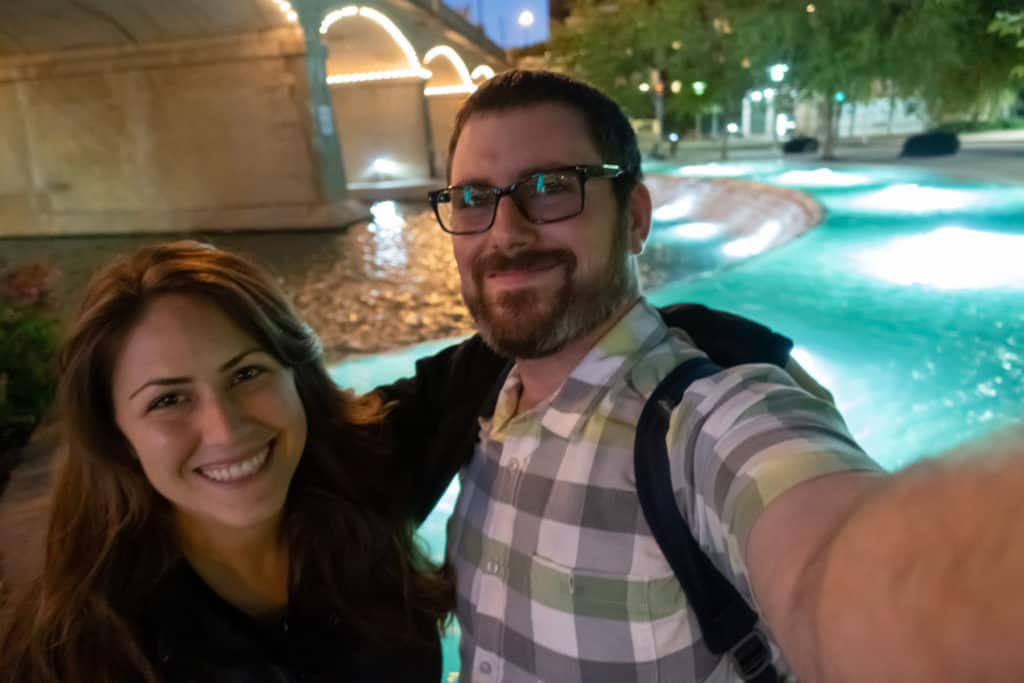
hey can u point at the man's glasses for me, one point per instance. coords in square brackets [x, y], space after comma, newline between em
[544, 197]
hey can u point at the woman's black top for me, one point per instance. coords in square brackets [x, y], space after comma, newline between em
[192, 635]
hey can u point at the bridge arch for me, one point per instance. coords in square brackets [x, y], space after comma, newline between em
[481, 73]
[376, 81]
[449, 85]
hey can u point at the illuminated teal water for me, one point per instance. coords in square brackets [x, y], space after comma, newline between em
[907, 302]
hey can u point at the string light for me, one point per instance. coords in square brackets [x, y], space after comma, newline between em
[482, 71]
[288, 10]
[449, 90]
[393, 74]
[415, 69]
[453, 57]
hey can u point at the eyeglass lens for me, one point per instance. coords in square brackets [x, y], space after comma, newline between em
[542, 198]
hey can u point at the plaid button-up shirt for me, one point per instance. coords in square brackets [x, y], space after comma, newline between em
[559, 578]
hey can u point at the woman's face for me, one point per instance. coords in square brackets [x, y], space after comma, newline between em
[215, 421]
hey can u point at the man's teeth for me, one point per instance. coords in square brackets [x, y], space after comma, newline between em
[237, 470]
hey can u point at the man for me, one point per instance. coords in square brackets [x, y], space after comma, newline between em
[558, 577]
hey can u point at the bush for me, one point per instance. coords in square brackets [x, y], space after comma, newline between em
[800, 145]
[981, 126]
[28, 342]
[931, 144]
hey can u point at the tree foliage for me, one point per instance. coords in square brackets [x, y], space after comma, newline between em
[953, 54]
[616, 46]
[947, 56]
[1011, 25]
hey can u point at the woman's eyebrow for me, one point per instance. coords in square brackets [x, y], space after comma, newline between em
[238, 359]
[168, 381]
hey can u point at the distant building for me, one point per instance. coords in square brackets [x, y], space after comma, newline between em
[510, 23]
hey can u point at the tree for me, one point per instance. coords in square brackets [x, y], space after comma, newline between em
[939, 51]
[956, 65]
[627, 45]
[830, 47]
[1010, 25]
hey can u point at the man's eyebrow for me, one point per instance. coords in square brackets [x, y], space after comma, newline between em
[522, 175]
[170, 381]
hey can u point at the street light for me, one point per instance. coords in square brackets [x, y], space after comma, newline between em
[778, 72]
[756, 96]
[525, 18]
[644, 87]
[699, 87]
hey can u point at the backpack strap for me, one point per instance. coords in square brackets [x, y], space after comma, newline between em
[727, 623]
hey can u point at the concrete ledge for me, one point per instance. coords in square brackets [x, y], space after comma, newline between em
[742, 207]
[285, 217]
[414, 190]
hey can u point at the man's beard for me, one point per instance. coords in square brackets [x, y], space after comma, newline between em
[534, 323]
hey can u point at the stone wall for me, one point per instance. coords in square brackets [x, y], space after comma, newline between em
[382, 120]
[194, 135]
[442, 110]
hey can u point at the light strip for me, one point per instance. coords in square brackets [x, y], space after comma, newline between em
[336, 16]
[450, 90]
[415, 69]
[482, 71]
[382, 21]
[366, 76]
[287, 9]
[453, 57]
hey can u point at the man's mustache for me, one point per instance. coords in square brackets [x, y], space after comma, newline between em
[499, 262]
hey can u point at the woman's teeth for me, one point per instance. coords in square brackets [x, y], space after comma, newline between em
[238, 470]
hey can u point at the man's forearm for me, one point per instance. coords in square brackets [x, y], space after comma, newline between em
[925, 580]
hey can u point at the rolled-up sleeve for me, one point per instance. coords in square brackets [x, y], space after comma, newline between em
[740, 439]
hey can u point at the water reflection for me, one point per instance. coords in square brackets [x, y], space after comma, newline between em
[369, 287]
[386, 228]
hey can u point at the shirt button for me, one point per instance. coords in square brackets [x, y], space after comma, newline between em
[492, 567]
[485, 667]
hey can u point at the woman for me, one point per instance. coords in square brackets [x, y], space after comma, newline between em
[219, 511]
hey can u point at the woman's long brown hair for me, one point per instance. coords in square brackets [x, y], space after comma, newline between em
[110, 537]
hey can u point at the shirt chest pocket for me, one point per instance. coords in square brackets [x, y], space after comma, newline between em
[589, 593]
[591, 615]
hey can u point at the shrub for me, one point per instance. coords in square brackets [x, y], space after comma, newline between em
[981, 126]
[28, 343]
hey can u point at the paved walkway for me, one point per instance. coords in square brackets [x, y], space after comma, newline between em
[991, 156]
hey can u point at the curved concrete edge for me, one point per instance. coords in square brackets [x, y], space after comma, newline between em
[274, 217]
[741, 207]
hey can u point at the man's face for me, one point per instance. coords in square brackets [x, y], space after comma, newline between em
[534, 288]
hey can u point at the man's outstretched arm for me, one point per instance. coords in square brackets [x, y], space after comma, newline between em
[915, 576]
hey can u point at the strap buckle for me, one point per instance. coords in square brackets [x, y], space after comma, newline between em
[751, 656]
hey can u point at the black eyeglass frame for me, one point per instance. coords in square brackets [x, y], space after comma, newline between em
[584, 173]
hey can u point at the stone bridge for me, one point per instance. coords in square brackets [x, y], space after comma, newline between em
[121, 116]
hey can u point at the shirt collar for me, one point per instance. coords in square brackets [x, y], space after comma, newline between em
[614, 355]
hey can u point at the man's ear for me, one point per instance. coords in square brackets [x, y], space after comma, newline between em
[639, 217]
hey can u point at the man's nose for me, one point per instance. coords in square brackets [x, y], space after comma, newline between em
[511, 228]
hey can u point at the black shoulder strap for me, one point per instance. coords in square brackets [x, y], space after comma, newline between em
[726, 621]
